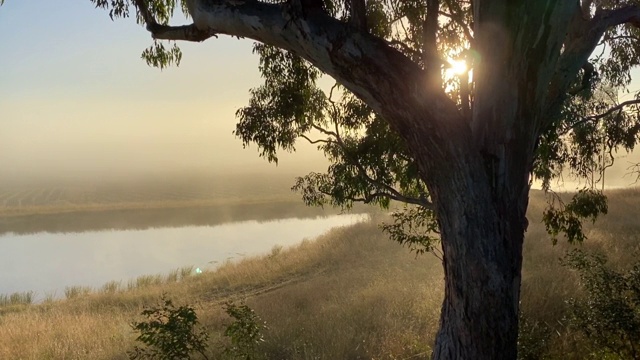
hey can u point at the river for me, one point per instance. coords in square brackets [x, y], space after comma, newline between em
[46, 263]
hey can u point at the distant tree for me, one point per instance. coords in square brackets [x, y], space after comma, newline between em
[400, 124]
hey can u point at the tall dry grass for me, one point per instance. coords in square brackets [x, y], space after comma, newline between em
[351, 294]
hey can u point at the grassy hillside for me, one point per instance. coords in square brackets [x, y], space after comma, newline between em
[351, 294]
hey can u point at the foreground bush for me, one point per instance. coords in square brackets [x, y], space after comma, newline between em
[170, 333]
[609, 313]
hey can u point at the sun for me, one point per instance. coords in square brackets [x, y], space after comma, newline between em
[457, 67]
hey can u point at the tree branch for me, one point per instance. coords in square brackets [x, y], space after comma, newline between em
[582, 39]
[143, 9]
[393, 193]
[313, 142]
[629, 14]
[166, 32]
[365, 64]
[456, 16]
[597, 117]
[359, 15]
[185, 32]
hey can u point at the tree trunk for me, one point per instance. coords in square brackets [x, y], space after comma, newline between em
[482, 229]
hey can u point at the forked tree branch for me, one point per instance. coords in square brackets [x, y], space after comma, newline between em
[584, 35]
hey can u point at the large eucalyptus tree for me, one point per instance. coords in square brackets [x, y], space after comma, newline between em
[461, 147]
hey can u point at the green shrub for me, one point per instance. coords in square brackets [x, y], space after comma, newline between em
[244, 332]
[169, 333]
[609, 313]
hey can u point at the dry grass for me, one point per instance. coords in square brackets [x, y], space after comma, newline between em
[351, 294]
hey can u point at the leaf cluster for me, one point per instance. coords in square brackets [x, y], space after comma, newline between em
[284, 107]
[415, 227]
[157, 55]
[567, 219]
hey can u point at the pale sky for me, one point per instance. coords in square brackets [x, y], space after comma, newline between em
[76, 100]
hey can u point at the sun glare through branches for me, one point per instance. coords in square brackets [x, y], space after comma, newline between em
[456, 67]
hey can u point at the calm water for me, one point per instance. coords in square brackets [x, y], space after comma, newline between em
[47, 263]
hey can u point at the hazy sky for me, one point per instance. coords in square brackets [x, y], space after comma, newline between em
[76, 100]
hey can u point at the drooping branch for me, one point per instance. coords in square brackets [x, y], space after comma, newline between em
[387, 191]
[611, 110]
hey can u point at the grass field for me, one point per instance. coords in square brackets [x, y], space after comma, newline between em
[351, 294]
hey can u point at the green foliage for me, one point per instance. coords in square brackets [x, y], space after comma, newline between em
[586, 204]
[158, 56]
[161, 10]
[416, 228]
[285, 107]
[169, 333]
[609, 314]
[244, 332]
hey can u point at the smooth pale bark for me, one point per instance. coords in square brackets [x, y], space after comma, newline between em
[476, 164]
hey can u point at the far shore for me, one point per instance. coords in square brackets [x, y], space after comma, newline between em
[144, 216]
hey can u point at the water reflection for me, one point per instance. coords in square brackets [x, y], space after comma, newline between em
[47, 262]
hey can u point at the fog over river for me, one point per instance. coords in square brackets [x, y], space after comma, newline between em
[47, 263]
